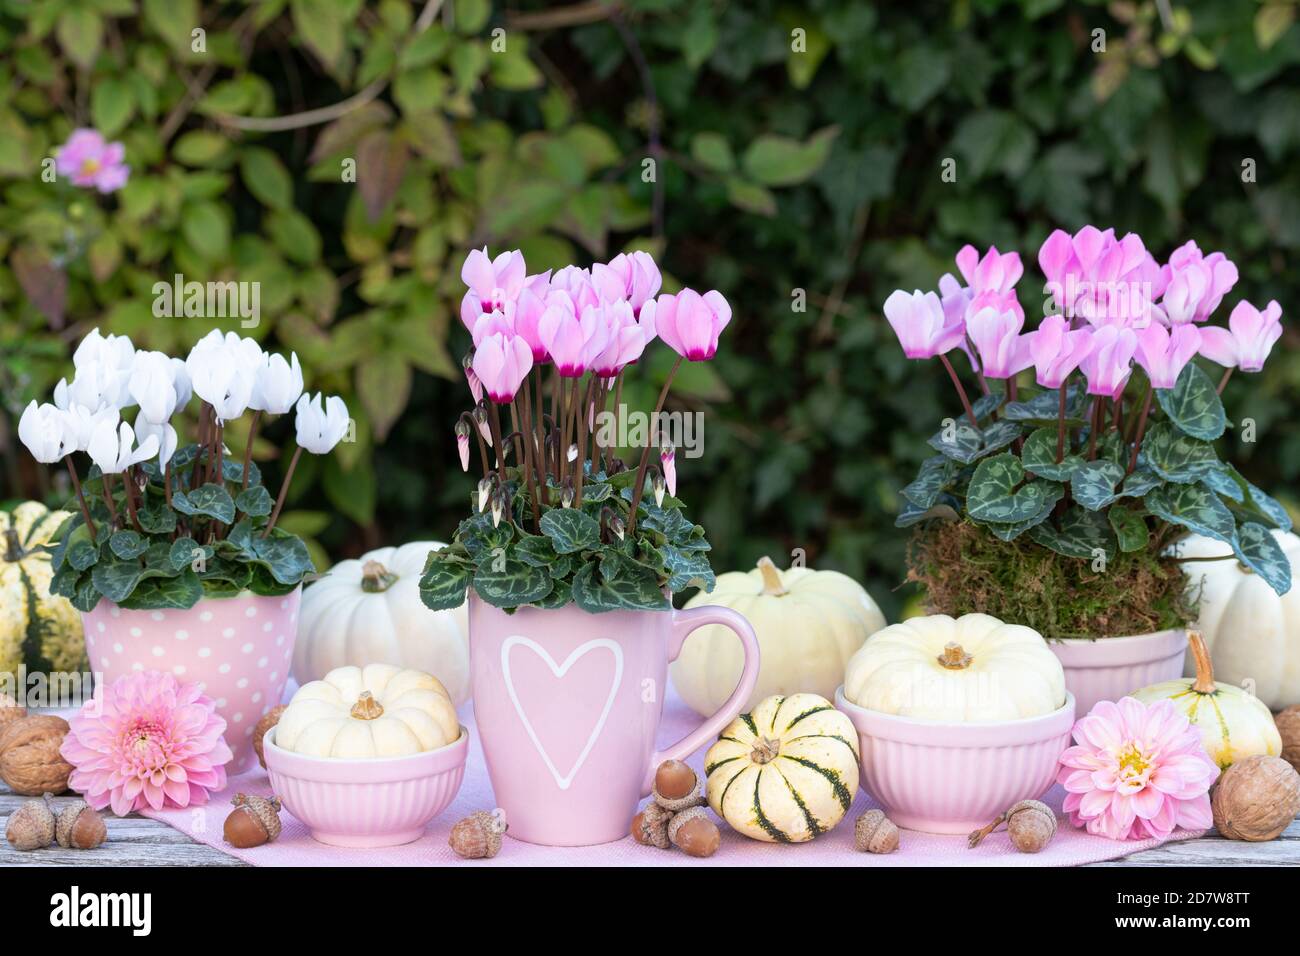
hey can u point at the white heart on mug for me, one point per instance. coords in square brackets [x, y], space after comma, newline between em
[559, 671]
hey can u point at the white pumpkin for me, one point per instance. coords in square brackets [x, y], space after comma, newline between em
[967, 669]
[1253, 632]
[786, 772]
[378, 711]
[369, 612]
[808, 624]
[1234, 724]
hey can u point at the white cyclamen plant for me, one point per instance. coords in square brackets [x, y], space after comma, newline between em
[155, 524]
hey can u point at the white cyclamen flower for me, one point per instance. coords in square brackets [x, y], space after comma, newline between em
[80, 423]
[164, 434]
[41, 428]
[319, 430]
[153, 386]
[277, 385]
[95, 386]
[114, 451]
[113, 352]
[181, 382]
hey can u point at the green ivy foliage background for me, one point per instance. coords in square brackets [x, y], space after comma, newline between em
[798, 157]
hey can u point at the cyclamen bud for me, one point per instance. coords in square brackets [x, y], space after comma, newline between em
[573, 453]
[462, 444]
[566, 496]
[484, 492]
[498, 506]
[660, 486]
[480, 419]
[616, 526]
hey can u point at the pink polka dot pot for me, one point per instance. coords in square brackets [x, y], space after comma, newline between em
[239, 648]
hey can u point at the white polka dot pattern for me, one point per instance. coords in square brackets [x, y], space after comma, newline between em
[237, 647]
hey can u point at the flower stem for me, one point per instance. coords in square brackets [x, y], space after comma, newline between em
[965, 402]
[1094, 427]
[108, 500]
[128, 482]
[1141, 430]
[639, 486]
[539, 426]
[248, 449]
[495, 422]
[581, 462]
[284, 491]
[1060, 425]
[1227, 374]
[81, 497]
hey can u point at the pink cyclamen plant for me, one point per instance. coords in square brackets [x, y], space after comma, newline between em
[91, 162]
[1137, 771]
[147, 741]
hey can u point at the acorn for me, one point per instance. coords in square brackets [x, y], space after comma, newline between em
[875, 833]
[78, 826]
[268, 720]
[650, 826]
[1031, 824]
[31, 826]
[254, 821]
[676, 786]
[693, 832]
[478, 836]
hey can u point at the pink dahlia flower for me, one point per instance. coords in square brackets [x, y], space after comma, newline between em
[1137, 771]
[147, 740]
[90, 161]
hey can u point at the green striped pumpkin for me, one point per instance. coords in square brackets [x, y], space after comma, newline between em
[786, 772]
[39, 629]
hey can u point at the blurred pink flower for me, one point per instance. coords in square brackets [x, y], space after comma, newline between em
[994, 329]
[995, 271]
[1108, 363]
[633, 277]
[501, 362]
[690, 323]
[147, 741]
[87, 160]
[1057, 350]
[923, 327]
[1094, 276]
[1163, 354]
[1195, 284]
[1136, 771]
[492, 283]
[1249, 338]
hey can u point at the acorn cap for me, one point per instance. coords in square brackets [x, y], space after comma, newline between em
[266, 811]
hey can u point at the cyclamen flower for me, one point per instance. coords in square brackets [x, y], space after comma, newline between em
[1094, 276]
[1057, 350]
[163, 433]
[153, 386]
[668, 461]
[1195, 284]
[690, 323]
[1109, 364]
[492, 282]
[573, 340]
[147, 741]
[633, 277]
[502, 362]
[1249, 338]
[994, 271]
[994, 329]
[471, 378]
[277, 384]
[1137, 771]
[319, 428]
[114, 450]
[88, 161]
[626, 339]
[1163, 354]
[43, 430]
[922, 327]
[80, 424]
[462, 444]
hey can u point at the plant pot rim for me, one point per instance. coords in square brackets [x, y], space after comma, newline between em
[474, 600]
[360, 770]
[1119, 651]
[945, 733]
[106, 603]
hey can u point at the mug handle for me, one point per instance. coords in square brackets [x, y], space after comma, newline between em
[683, 623]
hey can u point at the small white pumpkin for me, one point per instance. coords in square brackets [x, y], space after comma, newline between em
[1234, 724]
[369, 611]
[786, 772]
[378, 711]
[967, 669]
[808, 624]
[1253, 632]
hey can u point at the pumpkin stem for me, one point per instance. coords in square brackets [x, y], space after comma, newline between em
[366, 707]
[765, 750]
[954, 657]
[13, 547]
[772, 585]
[1204, 683]
[375, 578]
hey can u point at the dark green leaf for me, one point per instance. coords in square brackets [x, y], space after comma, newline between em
[1194, 507]
[561, 594]
[185, 551]
[1259, 550]
[157, 518]
[508, 583]
[933, 477]
[1079, 533]
[1129, 527]
[960, 442]
[1176, 457]
[182, 591]
[1094, 483]
[632, 591]
[212, 501]
[1039, 456]
[116, 579]
[255, 502]
[992, 495]
[286, 557]
[570, 530]
[128, 544]
[535, 549]
[1193, 404]
[1139, 483]
[82, 555]
[1045, 408]
[1009, 532]
[687, 569]
[444, 584]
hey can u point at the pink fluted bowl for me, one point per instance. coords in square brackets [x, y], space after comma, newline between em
[942, 777]
[368, 802]
[1113, 667]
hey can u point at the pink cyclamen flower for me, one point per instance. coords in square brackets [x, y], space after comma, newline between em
[1163, 354]
[690, 323]
[502, 362]
[1057, 350]
[1195, 284]
[1136, 771]
[626, 341]
[921, 324]
[1108, 364]
[992, 272]
[471, 378]
[1249, 338]
[573, 340]
[492, 282]
[633, 277]
[147, 741]
[1094, 276]
[994, 329]
[668, 461]
[88, 161]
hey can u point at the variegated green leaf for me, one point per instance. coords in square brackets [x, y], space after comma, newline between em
[1193, 404]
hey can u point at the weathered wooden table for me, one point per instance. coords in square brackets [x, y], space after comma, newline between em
[137, 841]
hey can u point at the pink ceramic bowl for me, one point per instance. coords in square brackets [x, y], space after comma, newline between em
[380, 801]
[1113, 667]
[954, 778]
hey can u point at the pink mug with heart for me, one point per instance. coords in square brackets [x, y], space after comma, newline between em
[567, 705]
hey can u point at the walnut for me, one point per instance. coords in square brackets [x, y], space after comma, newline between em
[30, 762]
[1288, 725]
[1256, 799]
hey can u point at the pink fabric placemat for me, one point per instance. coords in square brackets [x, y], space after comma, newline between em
[295, 847]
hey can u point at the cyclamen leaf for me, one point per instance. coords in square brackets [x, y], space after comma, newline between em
[933, 477]
[1259, 550]
[1176, 457]
[1079, 534]
[1194, 507]
[444, 583]
[945, 508]
[1094, 483]
[561, 594]
[535, 549]
[688, 569]
[1009, 532]
[570, 530]
[1139, 483]
[182, 591]
[510, 583]
[1129, 527]
[992, 495]
[185, 551]
[209, 500]
[1046, 407]
[595, 594]
[255, 502]
[960, 442]
[1224, 481]
[1265, 506]
[128, 544]
[1039, 456]
[116, 579]
[1193, 404]
[157, 518]
[286, 557]
[82, 555]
